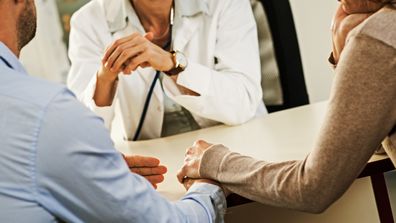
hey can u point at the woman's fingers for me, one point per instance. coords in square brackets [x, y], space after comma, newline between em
[126, 57]
[116, 44]
[135, 62]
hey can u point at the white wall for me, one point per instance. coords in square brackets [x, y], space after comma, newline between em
[313, 20]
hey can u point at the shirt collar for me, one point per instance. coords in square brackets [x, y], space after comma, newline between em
[10, 58]
[116, 11]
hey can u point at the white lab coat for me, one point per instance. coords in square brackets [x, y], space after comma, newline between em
[46, 55]
[203, 30]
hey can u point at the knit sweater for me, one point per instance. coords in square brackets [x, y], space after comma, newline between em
[361, 115]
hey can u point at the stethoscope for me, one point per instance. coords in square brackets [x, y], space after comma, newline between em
[153, 83]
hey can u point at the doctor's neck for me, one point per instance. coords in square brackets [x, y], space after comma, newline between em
[153, 12]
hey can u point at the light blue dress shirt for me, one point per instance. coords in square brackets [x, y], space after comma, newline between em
[57, 162]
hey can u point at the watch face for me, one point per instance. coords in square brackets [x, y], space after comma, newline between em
[181, 60]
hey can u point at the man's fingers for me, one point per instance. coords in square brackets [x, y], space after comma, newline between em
[155, 179]
[145, 171]
[142, 161]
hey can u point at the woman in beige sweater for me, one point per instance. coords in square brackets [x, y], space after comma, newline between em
[361, 115]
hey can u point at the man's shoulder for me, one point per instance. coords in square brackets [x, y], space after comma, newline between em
[380, 26]
[30, 90]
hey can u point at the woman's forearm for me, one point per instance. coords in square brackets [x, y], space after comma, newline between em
[106, 86]
[361, 114]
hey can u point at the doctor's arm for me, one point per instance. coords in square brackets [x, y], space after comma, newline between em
[230, 92]
[86, 49]
[82, 178]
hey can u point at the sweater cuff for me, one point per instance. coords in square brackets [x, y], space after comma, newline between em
[212, 160]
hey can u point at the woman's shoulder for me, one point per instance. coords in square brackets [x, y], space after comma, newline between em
[380, 26]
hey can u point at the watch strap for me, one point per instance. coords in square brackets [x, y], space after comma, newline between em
[175, 70]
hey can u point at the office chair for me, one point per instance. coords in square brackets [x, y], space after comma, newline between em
[283, 79]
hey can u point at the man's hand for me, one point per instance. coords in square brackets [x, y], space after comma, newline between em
[192, 161]
[128, 53]
[148, 167]
[342, 24]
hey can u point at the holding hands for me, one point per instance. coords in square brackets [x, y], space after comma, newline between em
[189, 173]
[192, 161]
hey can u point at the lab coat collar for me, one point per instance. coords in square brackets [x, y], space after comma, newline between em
[116, 11]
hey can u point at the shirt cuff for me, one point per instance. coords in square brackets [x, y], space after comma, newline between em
[217, 197]
[211, 161]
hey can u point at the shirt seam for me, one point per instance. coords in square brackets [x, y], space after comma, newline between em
[34, 151]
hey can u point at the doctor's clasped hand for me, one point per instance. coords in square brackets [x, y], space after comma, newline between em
[125, 55]
[128, 53]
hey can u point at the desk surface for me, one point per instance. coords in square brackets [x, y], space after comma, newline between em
[280, 136]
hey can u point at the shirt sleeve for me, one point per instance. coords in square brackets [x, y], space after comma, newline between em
[80, 177]
[85, 53]
[231, 91]
[360, 115]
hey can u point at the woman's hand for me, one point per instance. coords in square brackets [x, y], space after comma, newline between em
[342, 24]
[128, 53]
[148, 167]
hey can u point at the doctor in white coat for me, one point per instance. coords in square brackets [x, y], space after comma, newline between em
[205, 52]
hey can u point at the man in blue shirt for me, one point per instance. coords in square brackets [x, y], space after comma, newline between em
[57, 161]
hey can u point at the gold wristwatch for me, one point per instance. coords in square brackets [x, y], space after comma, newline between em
[180, 62]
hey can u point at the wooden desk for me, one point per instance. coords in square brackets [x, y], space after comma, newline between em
[280, 136]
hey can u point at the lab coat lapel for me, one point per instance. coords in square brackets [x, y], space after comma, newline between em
[188, 20]
[184, 30]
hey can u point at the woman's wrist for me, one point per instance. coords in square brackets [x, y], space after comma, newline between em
[105, 76]
[105, 89]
